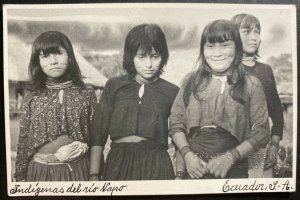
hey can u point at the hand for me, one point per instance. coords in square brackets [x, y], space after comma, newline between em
[195, 166]
[271, 157]
[221, 164]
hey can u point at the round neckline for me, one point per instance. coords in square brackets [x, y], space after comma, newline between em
[149, 83]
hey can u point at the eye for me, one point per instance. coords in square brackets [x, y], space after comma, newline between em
[140, 55]
[155, 55]
[245, 31]
[43, 56]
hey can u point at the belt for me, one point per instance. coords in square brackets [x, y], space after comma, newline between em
[35, 159]
[209, 127]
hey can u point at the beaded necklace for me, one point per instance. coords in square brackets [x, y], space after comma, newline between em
[54, 85]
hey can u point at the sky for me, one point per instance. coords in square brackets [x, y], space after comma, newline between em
[102, 28]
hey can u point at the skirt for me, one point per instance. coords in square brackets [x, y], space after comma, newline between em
[146, 160]
[211, 142]
[77, 170]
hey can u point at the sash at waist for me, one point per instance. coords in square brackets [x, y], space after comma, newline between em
[209, 141]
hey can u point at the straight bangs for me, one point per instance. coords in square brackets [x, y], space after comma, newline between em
[146, 40]
[220, 33]
[49, 45]
[249, 22]
[145, 44]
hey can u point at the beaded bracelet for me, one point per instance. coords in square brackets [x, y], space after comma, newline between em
[275, 145]
[184, 150]
[235, 153]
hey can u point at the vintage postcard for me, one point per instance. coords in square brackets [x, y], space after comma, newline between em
[150, 98]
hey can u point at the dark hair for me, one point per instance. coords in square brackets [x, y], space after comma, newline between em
[49, 42]
[144, 36]
[217, 31]
[247, 21]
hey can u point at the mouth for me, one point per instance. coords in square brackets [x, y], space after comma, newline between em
[55, 69]
[218, 60]
[149, 71]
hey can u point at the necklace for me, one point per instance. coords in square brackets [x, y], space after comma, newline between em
[54, 85]
[248, 60]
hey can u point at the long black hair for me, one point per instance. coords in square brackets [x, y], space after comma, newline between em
[217, 31]
[144, 36]
[47, 43]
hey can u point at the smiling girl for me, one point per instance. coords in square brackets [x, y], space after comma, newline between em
[54, 129]
[134, 111]
[220, 114]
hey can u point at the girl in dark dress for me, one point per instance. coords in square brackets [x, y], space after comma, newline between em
[249, 27]
[134, 111]
[54, 129]
[220, 114]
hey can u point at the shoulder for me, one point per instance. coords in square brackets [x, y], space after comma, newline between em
[32, 95]
[167, 88]
[265, 67]
[117, 81]
[169, 85]
[86, 90]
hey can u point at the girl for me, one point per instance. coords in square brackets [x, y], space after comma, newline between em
[219, 115]
[134, 111]
[249, 28]
[54, 129]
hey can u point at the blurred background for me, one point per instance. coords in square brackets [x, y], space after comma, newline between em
[97, 33]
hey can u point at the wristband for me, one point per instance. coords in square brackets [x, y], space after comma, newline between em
[235, 154]
[184, 150]
[274, 145]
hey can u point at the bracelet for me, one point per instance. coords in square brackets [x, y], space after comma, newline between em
[180, 174]
[235, 154]
[184, 150]
[275, 145]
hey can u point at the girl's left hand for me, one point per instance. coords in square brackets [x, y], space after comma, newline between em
[220, 165]
[271, 157]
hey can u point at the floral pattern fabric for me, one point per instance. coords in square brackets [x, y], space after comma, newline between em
[45, 118]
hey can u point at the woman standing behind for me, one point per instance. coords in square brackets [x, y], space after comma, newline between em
[134, 111]
[220, 114]
[54, 129]
[249, 27]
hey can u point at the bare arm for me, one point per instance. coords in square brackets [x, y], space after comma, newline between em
[95, 162]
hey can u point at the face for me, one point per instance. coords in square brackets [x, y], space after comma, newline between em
[54, 65]
[250, 39]
[147, 65]
[219, 55]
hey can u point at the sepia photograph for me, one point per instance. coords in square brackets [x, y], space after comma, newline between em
[150, 98]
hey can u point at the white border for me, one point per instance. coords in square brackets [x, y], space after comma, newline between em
[154, 187]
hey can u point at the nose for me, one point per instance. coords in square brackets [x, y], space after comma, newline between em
[252, 35]
[53, 59]
[148, 62]
[217, 52]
